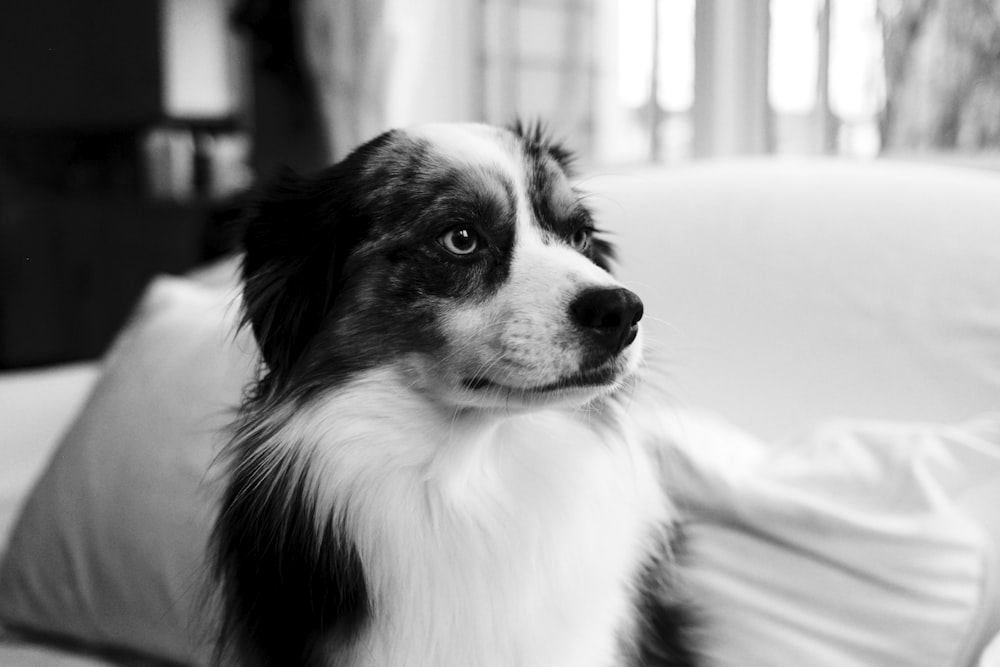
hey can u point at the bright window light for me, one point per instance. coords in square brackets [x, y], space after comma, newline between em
[675, 80]
[635, 52]
[856, 82]
[794, 55]
[676, 76]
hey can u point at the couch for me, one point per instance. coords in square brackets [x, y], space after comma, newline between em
[824, 365]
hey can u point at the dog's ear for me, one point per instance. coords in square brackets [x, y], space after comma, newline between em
[295, 243]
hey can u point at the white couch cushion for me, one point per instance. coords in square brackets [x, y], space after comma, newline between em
[783, 292]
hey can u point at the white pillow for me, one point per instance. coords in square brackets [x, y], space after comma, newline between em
[36, 408]
[109, 548]
[855, 544]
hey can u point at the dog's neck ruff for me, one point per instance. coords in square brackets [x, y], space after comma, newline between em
[486, 539]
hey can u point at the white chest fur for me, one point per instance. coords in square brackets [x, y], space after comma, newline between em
[485, 539]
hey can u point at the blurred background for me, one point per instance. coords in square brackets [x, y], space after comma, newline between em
[129, 127]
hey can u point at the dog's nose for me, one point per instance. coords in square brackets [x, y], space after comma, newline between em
[610, 315]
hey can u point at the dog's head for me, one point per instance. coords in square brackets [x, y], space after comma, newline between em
[459, 254]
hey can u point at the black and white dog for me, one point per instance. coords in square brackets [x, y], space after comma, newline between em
[436, 466]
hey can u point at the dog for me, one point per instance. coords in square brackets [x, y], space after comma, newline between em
[435, 466]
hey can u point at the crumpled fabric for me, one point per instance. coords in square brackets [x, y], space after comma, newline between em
[858, 543]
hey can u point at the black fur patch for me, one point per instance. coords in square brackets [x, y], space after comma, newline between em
[297, 239]
[665, 636]
[290, 580]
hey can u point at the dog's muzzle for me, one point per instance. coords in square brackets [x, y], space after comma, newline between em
[608, 317]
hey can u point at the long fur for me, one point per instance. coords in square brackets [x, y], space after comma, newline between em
[436, 465]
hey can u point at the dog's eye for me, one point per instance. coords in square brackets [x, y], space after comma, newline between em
[580, 239]
[460, 241]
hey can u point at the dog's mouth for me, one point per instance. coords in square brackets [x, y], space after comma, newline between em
[602, 376]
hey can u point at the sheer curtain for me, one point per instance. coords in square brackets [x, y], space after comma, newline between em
[347, 53]
[376, 64]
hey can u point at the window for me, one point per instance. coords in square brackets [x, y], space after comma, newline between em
[825, 82]
[654, 76]
[818, 60]
[669, 80]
